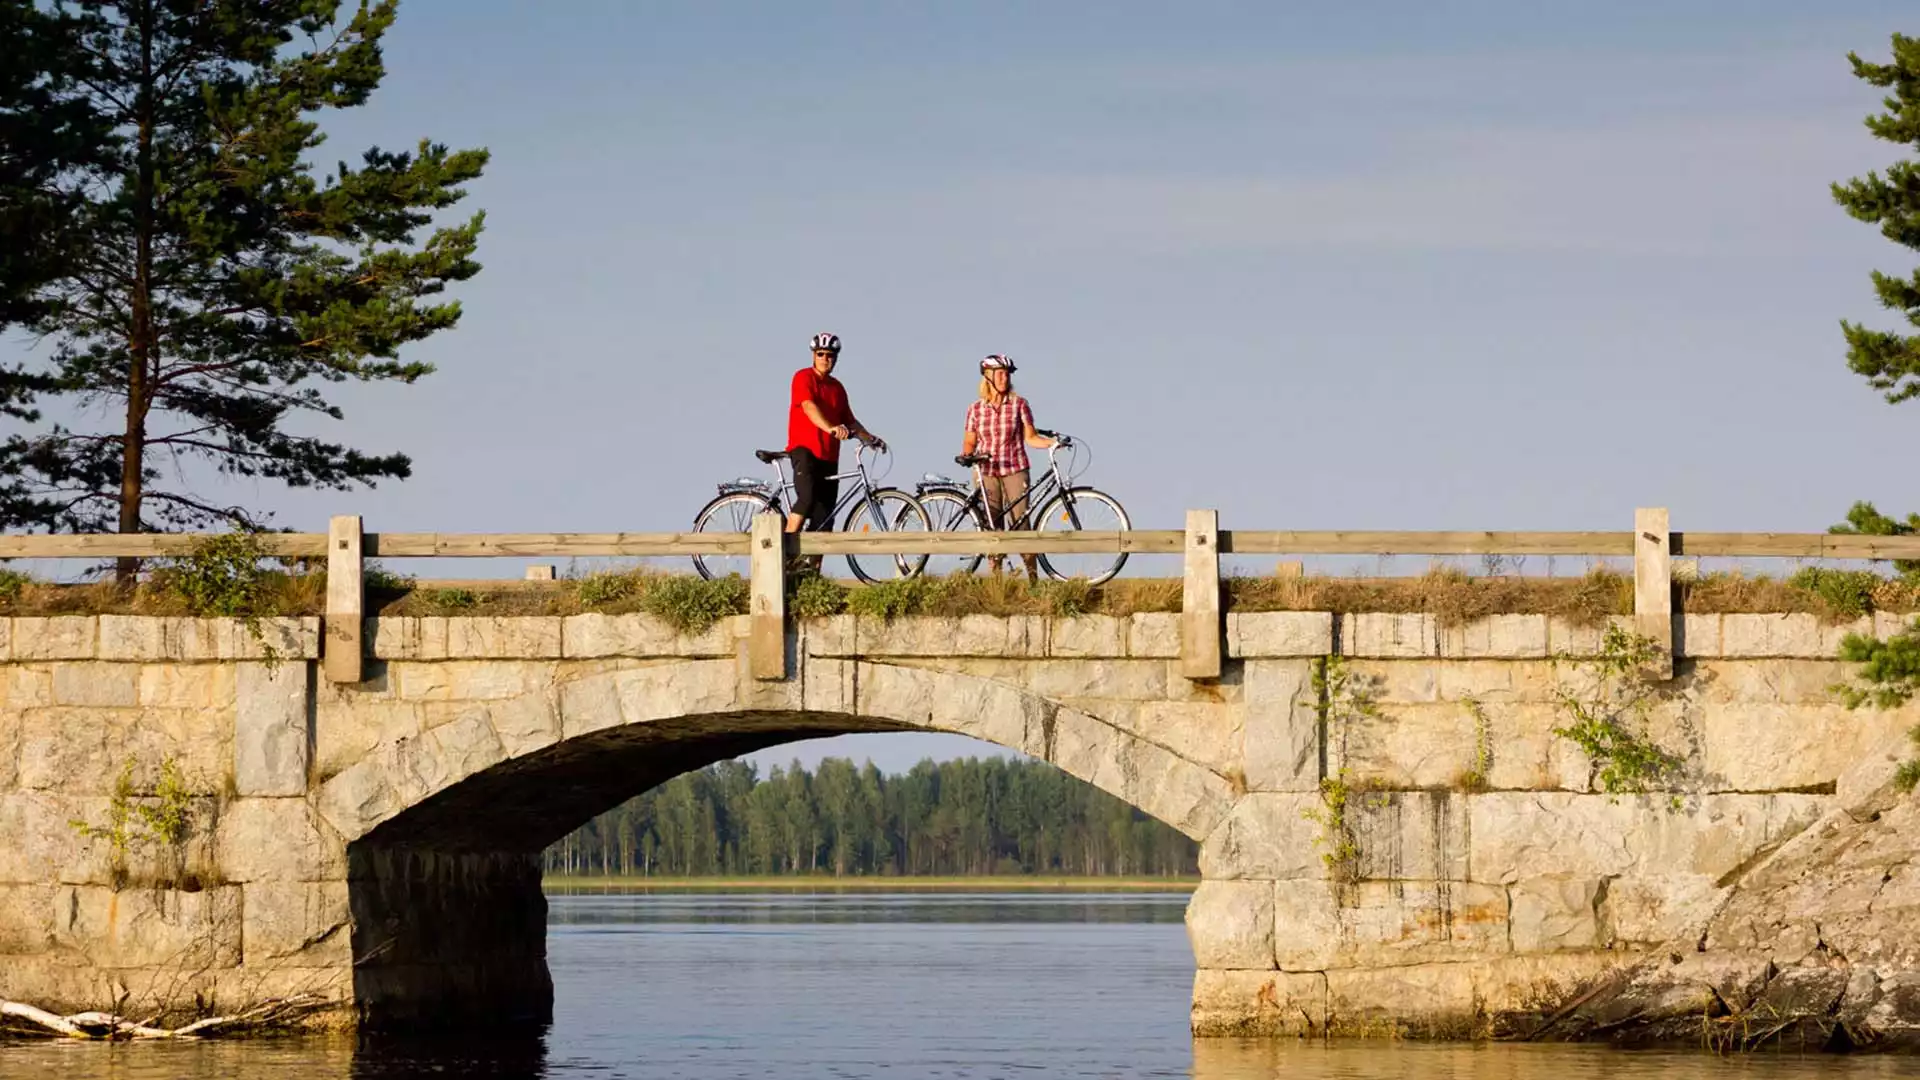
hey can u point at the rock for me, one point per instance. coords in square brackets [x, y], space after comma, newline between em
[1552, 914]
[171, 929]
[63, 637]
[1087, 635]
[1505, 637]
[1266, 836]
[270, 729]
[1389, 635]
[260, 840]
[1231, 924]
[1154, 635]
[1282, 750]
[305, 922]
[1258, 1004]
[1279, 634]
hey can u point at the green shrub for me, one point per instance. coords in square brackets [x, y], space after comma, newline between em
[12, 584]
[1065, 598]
[600, 590]
[377, 578]
[453, 600]
[223, 577]
[815, 596]
[896, 598]
[1846, 592]
[691, 605]
[1609, 723]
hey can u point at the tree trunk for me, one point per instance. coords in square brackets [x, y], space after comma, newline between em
[140, 344]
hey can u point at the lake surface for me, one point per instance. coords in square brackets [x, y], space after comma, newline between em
[852, 985]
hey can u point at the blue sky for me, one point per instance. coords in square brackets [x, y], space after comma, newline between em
[1387, 265]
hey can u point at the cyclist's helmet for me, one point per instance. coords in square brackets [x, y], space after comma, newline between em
[827, 341]
[997, 361]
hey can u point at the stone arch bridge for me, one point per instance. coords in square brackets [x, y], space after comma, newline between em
[378, 841]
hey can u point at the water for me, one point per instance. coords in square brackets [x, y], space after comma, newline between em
[853, 985]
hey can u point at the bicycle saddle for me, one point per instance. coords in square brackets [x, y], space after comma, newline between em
[970, 460]
[770, 456]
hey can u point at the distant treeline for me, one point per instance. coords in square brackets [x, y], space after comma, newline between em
[963, 817]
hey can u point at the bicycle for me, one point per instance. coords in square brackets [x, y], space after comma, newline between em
[882, 509]
[954, 507]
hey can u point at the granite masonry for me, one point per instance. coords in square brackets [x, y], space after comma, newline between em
[378, 842]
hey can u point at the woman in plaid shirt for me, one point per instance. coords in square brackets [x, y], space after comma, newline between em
[999, 429]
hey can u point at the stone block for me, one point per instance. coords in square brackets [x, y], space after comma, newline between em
[1266, 835]
[283, 840]
[590, 701]
[62, 637]
[26, 686]
[1496, 637]
[1409, 835]
[909, 635]
[1000, 636]
[1258, 1004]
[1282, 726]
[1230, 924]
[270, 745]
[1087, 635]
[1794, 634]
[10, 720]
[1432, 1000]
[1159, 782]
[829, 635]
[1771, 747]
[1656, 908]
[1389, 635]
[1550, 914]
[1278, 634]
[1155, 634]
[1406, 746]
[1388, 924]
[41, 845]
[394, 637]
[1520, 835]
[463, 747]
[943, 701]
[1070, 681]
[6, 639]
[344, 732]
[135, 637]
[1306, 925]
[1566, 637]
[638, 635]
[469, 680]
[359, 798]
[515, 637]
[1208, 734]
[1832, 636]
[96, 685]
[26, 920]
[151, 928]
[186, 686]
[82, 751]
[1887, 623]
[1697, 636]
[303, 922]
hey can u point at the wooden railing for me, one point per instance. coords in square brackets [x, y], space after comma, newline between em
[346, 546]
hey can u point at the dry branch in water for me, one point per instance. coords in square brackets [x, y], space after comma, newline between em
[273, 1012]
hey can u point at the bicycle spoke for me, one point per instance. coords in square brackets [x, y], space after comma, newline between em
[1077, 510]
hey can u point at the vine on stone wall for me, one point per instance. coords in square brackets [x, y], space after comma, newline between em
[1608, 715]
[163, 817]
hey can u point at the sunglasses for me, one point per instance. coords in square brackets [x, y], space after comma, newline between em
[827, 352]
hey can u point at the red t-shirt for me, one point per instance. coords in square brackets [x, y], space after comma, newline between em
[830, 398]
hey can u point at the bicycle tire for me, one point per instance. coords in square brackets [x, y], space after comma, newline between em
[950, 510]
[1062, 513]
[712, 566]
[896, 508]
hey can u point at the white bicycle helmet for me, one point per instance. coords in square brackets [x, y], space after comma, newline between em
[827, 341]
[997, 361]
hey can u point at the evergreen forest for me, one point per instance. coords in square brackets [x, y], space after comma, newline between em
[964, 817]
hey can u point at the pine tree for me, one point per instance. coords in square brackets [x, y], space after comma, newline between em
[1890, 361]
[210, 281]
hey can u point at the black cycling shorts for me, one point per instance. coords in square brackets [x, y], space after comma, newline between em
[815, 491]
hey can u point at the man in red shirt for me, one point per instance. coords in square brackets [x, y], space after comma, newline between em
[818, 419]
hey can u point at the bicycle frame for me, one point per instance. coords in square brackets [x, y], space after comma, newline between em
[1037, 493]
[785, 490]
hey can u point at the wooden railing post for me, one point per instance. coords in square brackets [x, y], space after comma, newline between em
[1653, 583]
[1200, 625]
[346, 602]
[767, 598]
[540, 573]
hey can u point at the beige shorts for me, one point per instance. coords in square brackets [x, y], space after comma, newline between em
[1006, 498]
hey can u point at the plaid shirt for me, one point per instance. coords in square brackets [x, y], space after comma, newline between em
[1000, 432]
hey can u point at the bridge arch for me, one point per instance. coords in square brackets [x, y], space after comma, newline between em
[445, 828]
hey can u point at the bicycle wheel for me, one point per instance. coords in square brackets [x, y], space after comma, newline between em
[731, 513]
[1084, 509]
[886, 510]
[951, 511]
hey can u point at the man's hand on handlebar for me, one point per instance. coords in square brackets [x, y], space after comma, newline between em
[874, 441]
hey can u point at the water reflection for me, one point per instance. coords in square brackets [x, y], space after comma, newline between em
[862, 985]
